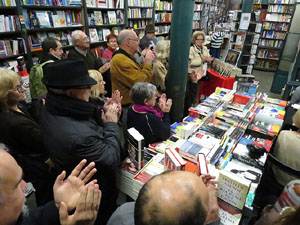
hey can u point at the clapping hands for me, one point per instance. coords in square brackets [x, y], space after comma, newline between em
[164, 104]
[195, 76]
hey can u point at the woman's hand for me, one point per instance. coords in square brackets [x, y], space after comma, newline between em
[164, 103]
[116, 97]
[195, 76]
[208, 58]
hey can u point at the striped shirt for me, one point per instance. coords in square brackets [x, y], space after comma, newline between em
[217, 39]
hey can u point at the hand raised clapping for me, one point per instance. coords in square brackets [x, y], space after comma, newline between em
[164, 103]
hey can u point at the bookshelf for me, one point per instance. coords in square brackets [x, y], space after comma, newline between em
[50, 19]
[197, 15]
[273, 34]
[162, 18]
[12, 44]
[103, 19]
[139, 14]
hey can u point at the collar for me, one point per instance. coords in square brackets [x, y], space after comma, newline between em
[62, 105]
[121, 51]
[84, 53]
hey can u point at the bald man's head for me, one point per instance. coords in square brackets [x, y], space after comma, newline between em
[12, 187]
[128, 41]
[172, 198]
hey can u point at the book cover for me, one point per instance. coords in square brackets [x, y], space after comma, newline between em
[233, 189]
[173, 161]
[105, 32]
[228, 215]
[136, 147]
[43, 18]
[112, 18]
[98, 18]
[93, 35]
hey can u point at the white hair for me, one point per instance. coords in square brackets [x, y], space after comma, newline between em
[76, 35]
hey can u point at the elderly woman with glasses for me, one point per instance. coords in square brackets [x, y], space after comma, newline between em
[112, 46]
[199, 53]
[151, 119]
[20, 130]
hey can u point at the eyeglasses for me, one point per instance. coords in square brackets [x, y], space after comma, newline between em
[200, 39]
[112, 42]
[19, 88]
[85, 39]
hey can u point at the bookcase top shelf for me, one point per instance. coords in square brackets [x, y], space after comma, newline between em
[106, 25]
[166, 10]
[162, 22]
[10, 33]
[103, 9]
[141, 18]
[54, 28]
[271, 48]
[10, 56]
[42, 7]
[8, 8]
[141, 7]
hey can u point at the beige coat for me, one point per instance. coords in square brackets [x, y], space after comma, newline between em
[196, 61]
[287, 151]
[159, 74]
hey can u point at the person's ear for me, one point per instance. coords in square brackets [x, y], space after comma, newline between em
[51, 50]
[68, 92]
[146, 102]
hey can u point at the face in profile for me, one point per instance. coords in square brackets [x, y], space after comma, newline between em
[12, 189]
[17, 93]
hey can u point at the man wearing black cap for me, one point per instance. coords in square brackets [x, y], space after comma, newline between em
[149, 39]
[75, 129]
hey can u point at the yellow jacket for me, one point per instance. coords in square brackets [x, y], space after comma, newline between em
[125, 72]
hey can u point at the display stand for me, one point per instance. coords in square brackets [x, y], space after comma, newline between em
[215, 80]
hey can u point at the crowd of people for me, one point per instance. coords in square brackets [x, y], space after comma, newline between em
[82, 105]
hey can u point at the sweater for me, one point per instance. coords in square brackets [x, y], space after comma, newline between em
[125, 72]
[90, 60]
[149, 125]
[108, 53]
[217, 39]
[196, 55]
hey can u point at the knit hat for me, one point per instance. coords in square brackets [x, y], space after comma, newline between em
[149, 28]
[67, 73]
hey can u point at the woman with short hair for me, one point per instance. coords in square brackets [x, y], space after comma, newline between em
[112, 45]
[20, 131]
[199, 53]
[150, 119]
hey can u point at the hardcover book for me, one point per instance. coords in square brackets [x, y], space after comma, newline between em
[136, 148]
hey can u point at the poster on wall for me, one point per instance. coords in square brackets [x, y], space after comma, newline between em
[245, 21]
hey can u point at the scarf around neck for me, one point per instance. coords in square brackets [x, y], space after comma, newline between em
[148, 109]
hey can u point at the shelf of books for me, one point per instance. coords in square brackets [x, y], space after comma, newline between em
[197, 15]
[104, 17]
[273, 34]
[12, 44]
[139, 14]
[162, 18]
[51, 19]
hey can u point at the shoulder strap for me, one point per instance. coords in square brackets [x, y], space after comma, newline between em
[44, 63]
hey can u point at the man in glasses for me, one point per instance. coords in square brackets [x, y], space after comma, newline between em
[82, 51]
[75, 129]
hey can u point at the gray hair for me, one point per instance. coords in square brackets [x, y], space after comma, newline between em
[76, 35]
[141, 91]
[162, 49]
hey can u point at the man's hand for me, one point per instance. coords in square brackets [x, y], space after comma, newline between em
[196, 76]
[86, 208]
[104, 68]
[68, 190]
[164, 103]
[149, 56]
[111, 114]
[209, 181]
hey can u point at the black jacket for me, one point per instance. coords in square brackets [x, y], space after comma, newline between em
[47, 57]
[21, 133]
[90, 60]
[43, 215]
[72, 133]
[149, 125]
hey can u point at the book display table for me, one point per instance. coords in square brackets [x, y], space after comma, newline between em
[223, 129]
[208, 87]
